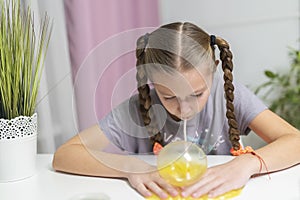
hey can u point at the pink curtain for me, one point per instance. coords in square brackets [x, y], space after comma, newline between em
[102, 37]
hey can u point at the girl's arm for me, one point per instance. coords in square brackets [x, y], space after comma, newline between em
[83, 155]
[73, 157]
[283, 149]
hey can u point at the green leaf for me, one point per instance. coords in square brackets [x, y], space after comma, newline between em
[270, 74]
[22, 54]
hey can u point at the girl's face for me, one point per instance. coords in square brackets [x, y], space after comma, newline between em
[183, 94]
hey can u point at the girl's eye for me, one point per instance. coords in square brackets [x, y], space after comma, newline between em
[169, 98]
[197, 95]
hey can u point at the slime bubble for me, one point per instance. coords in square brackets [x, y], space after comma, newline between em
[181, 163]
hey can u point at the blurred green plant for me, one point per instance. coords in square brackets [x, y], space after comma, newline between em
[282, 90]
[22, 55]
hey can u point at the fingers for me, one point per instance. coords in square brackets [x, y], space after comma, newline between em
[219, 190]
[141, 188]
[153, 184]
[189, 190]
[148, 188]
[201, 188]
[214, 184]
[222, 189]
[167, 187]
[157, 190]
[206, 189]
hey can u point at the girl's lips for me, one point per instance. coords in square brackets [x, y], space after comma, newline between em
[187, 117]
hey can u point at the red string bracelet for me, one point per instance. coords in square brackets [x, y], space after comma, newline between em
[249, 149]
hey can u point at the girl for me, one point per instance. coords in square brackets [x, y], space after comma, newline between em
[179, 61]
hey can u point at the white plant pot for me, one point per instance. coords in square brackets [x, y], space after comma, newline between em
[18, 148]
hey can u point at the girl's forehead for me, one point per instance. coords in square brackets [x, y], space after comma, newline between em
[187, 81]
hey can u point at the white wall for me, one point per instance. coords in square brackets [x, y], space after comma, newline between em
[259, 32]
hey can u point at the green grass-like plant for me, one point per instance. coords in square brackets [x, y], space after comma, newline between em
[22, 55]
[282, 90]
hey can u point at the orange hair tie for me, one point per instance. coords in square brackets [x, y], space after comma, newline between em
[156, 148]
[249, 149]
[241, 151]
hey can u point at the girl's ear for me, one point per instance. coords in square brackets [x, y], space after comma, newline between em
[217, 62]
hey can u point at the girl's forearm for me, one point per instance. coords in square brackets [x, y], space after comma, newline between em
[281, 154]
[278, 155]
[76, 159]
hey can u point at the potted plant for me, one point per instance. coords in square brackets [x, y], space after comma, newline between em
[282, 90]
[22, 55]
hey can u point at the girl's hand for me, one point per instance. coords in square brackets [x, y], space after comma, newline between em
[151, 182]
[224, 178]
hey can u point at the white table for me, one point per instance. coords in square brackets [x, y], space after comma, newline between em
[47, 184]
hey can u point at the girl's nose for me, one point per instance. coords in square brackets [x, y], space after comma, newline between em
[185, 108]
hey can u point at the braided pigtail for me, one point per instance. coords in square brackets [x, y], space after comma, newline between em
[227, 66]
[234, 133]
[144, 90]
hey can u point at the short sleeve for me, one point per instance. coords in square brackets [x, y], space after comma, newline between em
[111, 131]
[122, 126]
[247, 106]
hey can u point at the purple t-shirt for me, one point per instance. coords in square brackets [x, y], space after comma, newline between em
[124, 127]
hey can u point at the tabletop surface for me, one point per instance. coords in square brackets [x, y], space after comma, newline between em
[47, 184]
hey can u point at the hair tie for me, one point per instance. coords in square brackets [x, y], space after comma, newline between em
[212, 40]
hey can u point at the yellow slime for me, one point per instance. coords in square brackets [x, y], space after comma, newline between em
[181, 173]
[227, 195]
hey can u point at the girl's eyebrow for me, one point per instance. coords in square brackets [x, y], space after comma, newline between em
[165, 94]
[200, 90]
